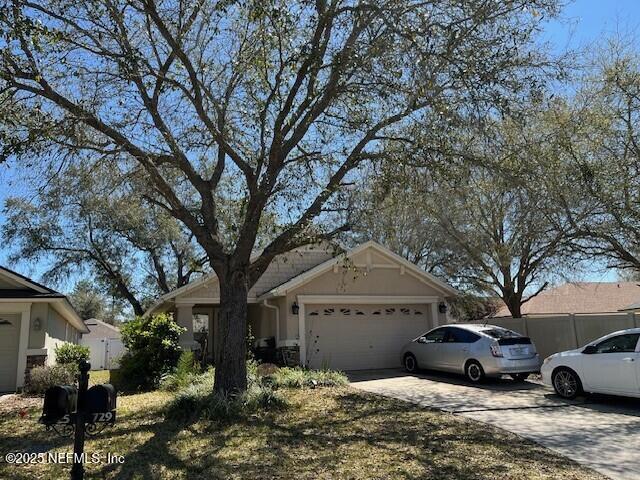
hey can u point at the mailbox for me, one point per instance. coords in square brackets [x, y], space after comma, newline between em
[101, 399]
[59, 403]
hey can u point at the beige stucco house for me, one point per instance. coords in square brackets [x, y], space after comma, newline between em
[33, 320]
[349, 311]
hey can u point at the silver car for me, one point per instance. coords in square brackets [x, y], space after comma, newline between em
[475, 350]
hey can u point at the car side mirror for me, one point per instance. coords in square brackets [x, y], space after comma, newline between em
[422, 340]
[590, 350]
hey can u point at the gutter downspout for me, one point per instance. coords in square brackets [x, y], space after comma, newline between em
[277, 310]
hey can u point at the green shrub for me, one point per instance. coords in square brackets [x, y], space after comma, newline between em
[199, 401]
[297, 377]
[71, 353]
[184, 375]
[41, 378]
[153, 350]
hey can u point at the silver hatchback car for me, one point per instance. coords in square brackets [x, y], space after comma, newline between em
[475, 350]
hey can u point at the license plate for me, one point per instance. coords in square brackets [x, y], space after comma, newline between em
[518, 351]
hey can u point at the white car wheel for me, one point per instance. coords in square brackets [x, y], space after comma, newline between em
[566, 383]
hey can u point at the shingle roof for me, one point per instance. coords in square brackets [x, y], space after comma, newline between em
[25, 293]
[582, 297]
[99, 329]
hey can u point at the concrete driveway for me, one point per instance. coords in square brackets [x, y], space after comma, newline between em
[600, 432]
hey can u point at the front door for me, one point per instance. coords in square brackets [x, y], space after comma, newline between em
[614, 366]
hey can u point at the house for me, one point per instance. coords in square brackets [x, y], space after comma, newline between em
[582, 297]
[104, 343]
[349, 311]
[33, 320]
[99, 330]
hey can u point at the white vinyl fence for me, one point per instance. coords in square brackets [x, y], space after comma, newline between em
[555, 333]
[104, 352]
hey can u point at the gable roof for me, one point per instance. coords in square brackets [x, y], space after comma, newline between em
[581, 297]
[295, 268]
[282, 268]
[99, 329]
[324, 267]
[31, 291]
[25, 282]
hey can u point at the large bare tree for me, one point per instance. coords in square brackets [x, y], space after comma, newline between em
[272, 104]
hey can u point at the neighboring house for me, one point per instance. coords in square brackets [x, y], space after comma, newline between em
[99, 330]
[105, 346]
[574, 314]
[350, 311]
[581, 297]
[33, 320]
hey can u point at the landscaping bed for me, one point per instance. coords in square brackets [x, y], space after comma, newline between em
[332, 432]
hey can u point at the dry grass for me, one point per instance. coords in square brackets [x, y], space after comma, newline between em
[332, 433]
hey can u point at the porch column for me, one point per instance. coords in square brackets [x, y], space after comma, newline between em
[435, 314]
[184, 317]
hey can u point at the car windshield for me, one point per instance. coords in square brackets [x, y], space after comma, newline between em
[500, 333]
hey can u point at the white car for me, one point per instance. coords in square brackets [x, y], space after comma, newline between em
[609, 365]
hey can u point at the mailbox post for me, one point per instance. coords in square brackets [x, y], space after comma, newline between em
[78, 412]
[77, 471]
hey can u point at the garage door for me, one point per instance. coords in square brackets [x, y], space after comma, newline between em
[9, 339]
[360, 337]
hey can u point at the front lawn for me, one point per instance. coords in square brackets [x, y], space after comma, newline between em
[336, 433]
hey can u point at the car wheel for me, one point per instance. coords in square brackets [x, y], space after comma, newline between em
[519, 377]
[410, 363]
[474, 371]
[566, 383]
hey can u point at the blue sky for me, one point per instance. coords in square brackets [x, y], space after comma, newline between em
[583, 23]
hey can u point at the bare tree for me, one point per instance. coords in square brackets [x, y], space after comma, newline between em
[274, 104]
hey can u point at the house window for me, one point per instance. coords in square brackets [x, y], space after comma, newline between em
[376, 312]
[329, 311]
[405, 311]
[314, 313]
[359, 312]
[417, 312]
[389, 311]
[345, 311]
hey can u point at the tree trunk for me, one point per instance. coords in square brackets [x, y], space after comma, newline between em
[231, 348]
[514, 304]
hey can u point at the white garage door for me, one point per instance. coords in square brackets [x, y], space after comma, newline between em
[360, 337]
[9, 339]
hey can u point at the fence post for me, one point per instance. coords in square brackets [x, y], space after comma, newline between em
[572, 318]
[525, 326]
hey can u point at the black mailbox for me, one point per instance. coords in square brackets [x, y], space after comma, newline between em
[101, 398]
[59, 401]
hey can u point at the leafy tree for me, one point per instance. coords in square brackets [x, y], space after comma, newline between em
[600, 160]
[91, 219]
[253, 107]
[88, 300]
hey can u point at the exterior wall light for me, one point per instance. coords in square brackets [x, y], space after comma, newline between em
[37, 324]
[295, 308]
[442, 307]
